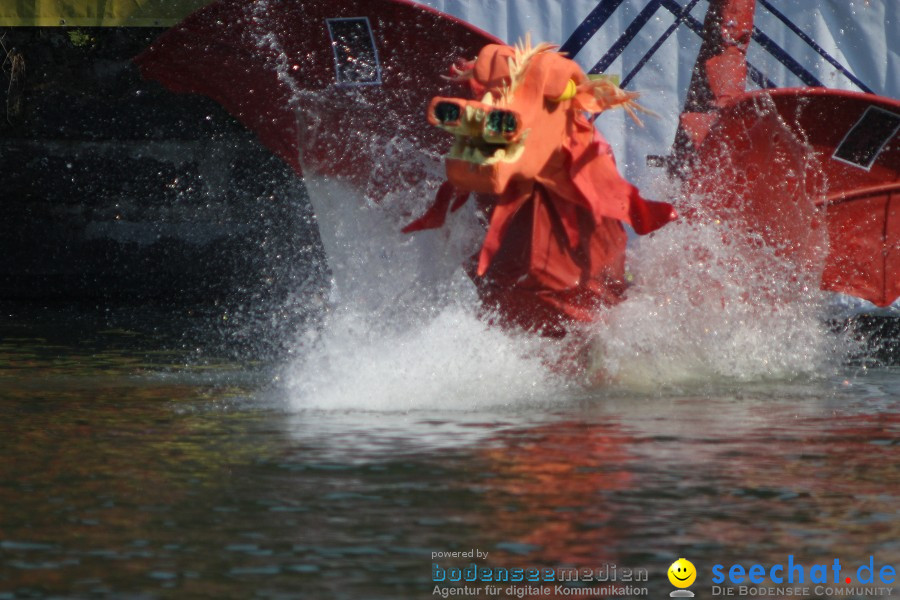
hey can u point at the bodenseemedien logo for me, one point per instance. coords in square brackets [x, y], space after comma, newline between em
[490, 581]
[682, 574]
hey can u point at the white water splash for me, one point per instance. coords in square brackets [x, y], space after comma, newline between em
[403, 330]
[452, 361]
[730, 293]
[708, 306]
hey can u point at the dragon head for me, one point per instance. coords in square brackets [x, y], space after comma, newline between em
[530, 98]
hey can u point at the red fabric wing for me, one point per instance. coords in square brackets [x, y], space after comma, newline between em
[435, 216]
[596, 177]
[271, 66]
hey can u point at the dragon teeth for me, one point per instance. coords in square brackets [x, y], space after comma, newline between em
[514, 152]
[458, 148]
[463, 149]
[497, 157]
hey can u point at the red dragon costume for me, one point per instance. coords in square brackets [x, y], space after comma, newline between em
[525, 146]
[555, 247]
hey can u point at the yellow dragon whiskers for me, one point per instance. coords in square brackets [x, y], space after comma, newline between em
[519, 62]
[607, 94]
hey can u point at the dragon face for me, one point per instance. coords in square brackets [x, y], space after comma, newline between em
[489, 138]
[520, 122]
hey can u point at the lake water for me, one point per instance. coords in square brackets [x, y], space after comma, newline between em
[133, 465]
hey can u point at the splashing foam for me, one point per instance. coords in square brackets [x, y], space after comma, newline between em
[710, 306]
[452, 361]
[403, 330]
[731, 292]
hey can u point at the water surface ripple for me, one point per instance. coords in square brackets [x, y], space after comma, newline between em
[129, 474]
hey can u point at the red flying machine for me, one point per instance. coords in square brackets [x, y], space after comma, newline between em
[522, 142]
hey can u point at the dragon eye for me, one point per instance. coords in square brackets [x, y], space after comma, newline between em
[501, 121]
[509, 123]
[495, 121]
[446, 112]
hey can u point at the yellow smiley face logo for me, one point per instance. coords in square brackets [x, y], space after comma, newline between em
[682, 573]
